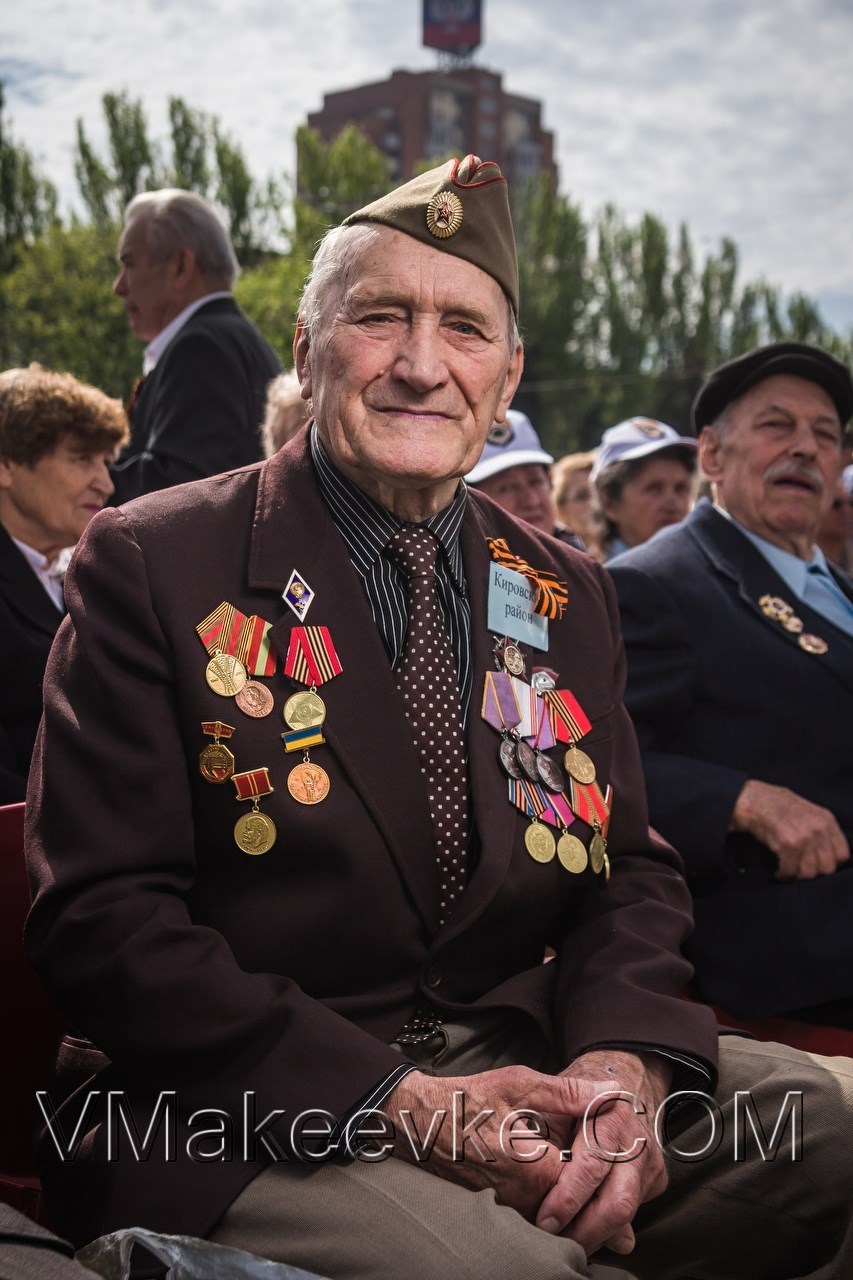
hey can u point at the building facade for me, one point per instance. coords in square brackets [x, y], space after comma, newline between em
[428, 115]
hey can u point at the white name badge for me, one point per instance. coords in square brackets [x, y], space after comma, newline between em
[510, 609]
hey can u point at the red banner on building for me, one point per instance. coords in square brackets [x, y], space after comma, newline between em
[454, 26]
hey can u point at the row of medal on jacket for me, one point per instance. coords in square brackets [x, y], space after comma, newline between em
[304, 713]
[531, 719]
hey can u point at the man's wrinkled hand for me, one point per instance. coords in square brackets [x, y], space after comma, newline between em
[499, 1145]
[805, 837]
[616, 1161]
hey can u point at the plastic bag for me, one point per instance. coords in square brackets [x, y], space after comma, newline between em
[188, 1258]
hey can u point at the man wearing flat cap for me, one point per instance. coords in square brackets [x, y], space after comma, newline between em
[334, 756]
[740, 683]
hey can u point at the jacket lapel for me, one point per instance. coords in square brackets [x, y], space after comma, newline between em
[734, 557]
[365, 725]
[23, 592]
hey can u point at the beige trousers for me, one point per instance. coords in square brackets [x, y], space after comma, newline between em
[722, 1218]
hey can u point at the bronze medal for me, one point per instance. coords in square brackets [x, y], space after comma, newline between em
[549, 772]
[513, 660]
[255, 699]
[572, 853]
[539, 842]
[812, 644]
[526, 757]
[304, 710]
[255, 833]
[225, 674]
[216, 762]
[507, 758]
[598, 853]
[579, 766]
[308, 783]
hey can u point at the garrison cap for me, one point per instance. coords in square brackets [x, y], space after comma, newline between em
[460, 208]
[731, 380]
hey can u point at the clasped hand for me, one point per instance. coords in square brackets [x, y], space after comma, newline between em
[575, 1153]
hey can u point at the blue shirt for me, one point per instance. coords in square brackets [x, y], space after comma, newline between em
[809, 580]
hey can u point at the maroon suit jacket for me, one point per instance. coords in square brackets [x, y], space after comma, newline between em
[198, 970]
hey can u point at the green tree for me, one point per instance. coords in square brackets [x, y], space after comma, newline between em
[190, 145]
[269, 295]
[61, 311]
[333, 179]
[202, 159]
[106, 187]
[555, 290]
[27, 199]
[27, 210]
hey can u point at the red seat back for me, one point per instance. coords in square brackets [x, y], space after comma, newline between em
[32, 1026]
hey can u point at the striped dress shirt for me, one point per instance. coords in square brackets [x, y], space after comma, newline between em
[366, 528]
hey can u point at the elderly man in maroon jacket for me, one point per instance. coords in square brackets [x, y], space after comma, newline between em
[334, 757]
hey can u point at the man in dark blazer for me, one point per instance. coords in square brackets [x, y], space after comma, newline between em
[245, 926]
[199, 407]
[740, 685]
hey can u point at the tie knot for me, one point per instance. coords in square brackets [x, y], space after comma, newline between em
[414, 550]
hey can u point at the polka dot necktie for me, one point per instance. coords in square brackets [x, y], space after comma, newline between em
[426, 677]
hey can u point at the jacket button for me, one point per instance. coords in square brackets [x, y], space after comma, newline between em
[433, 975]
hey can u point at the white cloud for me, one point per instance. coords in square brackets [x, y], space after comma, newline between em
[731, 117]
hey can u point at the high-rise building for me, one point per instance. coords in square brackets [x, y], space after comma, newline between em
[428, 115]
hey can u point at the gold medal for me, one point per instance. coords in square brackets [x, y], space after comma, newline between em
[216, 762]
[774, 607]
[539, 842]
[304, 710]
[812, 644]
[255, 699]
[572, 853]
[308, 783]
[255, 833]
[598, 853]
[579, 766]
[225, 675]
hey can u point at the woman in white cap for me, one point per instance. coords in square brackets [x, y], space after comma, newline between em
[644, 478]
[514, 471]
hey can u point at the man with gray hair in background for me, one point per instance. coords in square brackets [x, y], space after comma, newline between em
[198, 408]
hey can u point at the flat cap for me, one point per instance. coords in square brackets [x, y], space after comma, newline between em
[731, 380]
[461, 208]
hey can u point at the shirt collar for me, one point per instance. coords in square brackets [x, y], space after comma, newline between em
[366, 527]
[158, 345]
[791, 569]
[48, 572]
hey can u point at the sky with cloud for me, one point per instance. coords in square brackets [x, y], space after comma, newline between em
[732, 115]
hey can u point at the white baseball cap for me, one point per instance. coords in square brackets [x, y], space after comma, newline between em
[509, 444]
[637, 438]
